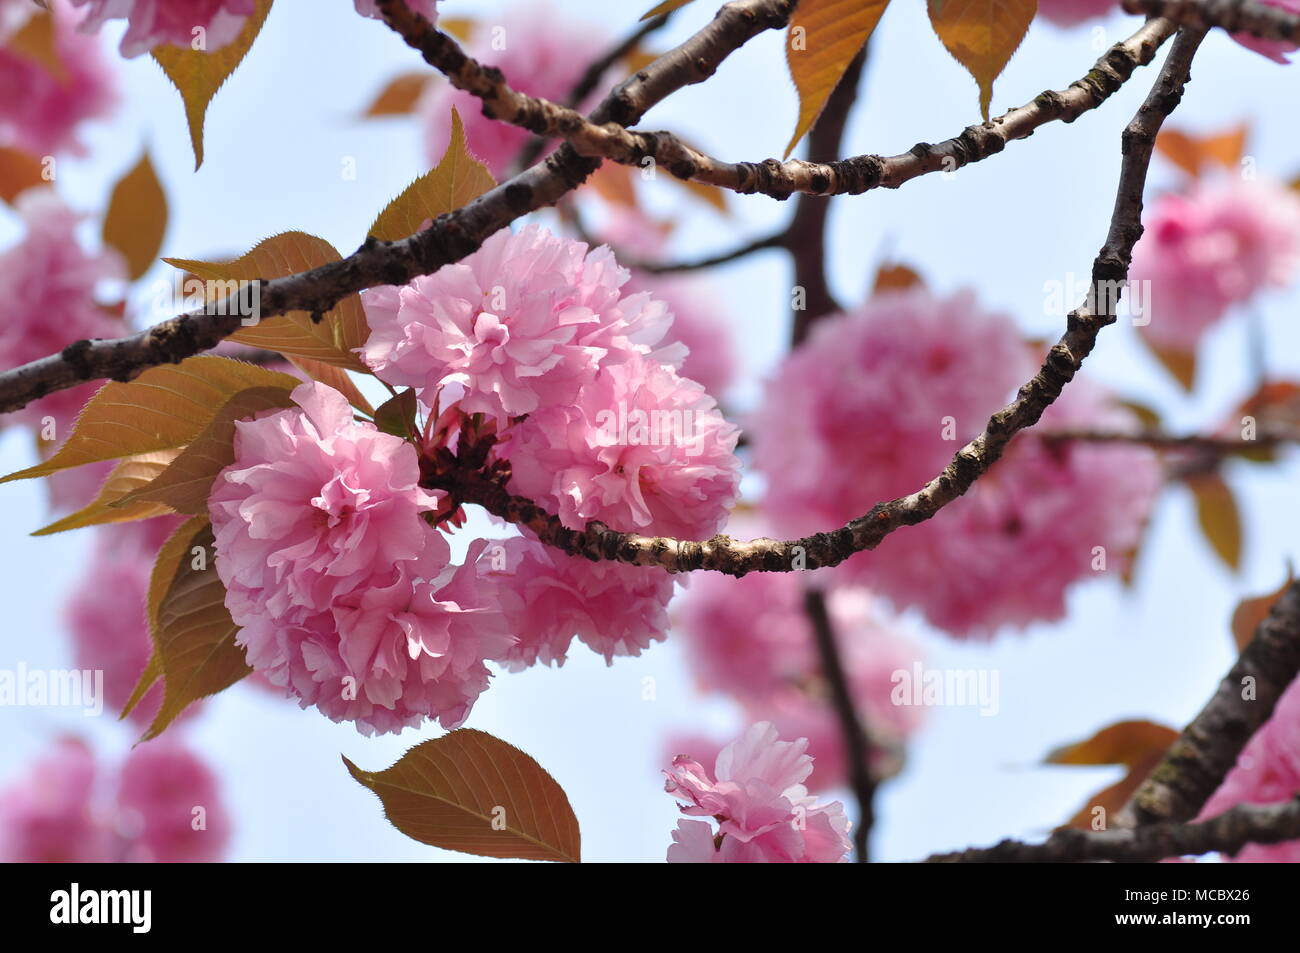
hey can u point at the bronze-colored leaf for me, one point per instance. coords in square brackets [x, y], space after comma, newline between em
[128, 476]
[1248, 615]
[1125, 742]
[1216, 512]
[896, 277]
[137, 217]
[982, 35]
[399, 97]
[18, 173]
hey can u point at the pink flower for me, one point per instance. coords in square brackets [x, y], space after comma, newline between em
[548, 597]
[1215, 247]
[426, 8]
[1074, 12]
[169, 807]
[47, 817]
[1267, 771]
[542, 52]
[764, 813]
[519, 325]
[171, 22]
[41, 111]
[640, 449]
[47, 300]
[699, 324]
[1275, 50]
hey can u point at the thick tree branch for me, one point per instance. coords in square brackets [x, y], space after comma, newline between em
[612, 140]
[1227, 833]
[1198, 761]
[1234, 16]
[449, 238]
[723, 554]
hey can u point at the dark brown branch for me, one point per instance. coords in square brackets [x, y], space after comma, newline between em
[1198, 761]
[774, 240]
[1234, 16]
[1227, 833]
[612, 140]
[448, 239]
[853, 731]
[723, 554]
[1198, 443]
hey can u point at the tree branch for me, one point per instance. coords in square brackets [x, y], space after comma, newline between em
[1201, 758]
[774, 240]
[1198, 443]
[1234, 16]
[449, 238]
[1227, 833]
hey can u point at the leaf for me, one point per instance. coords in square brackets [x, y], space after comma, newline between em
[824, 37]
[35, 41]
[1180, 364]
[896, 277]
[668, 6]
[194, 636]
[18, 173]
[137, 217]
[1216, 511]
[1190, 153]
[455, 181]
[197, 75]
[614, 184]
[330, 340]
[1148, 416]
[1125, 742]
[460, 27]
[334, 377]
[164, 408]
[1248, 615]
[447, 792]
[1113, 798]
[396, 416]
[982, 35]
[129, 475]
[186, 484]
[399, 97]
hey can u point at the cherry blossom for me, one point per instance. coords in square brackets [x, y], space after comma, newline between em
[182, 23]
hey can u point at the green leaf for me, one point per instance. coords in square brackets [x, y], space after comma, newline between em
[824, 37]
[982, 35]
[471, 792]
[128, 476]
[1216, 511]
[193, 635]
[164, 408]
[197, 75]
[396, 416]
[186, 484]
[330, 340]
[137, 217]
[457, 180]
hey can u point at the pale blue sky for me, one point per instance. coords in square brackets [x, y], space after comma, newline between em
[277, 138]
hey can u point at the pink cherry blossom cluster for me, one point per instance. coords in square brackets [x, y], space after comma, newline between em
[876, 403]
[756, 794]
[162, 805]
[751, 638]
[1215, 247]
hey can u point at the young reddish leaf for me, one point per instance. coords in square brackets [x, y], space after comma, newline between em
[399, 97]
[1180, 364]
[615, 185]
[1249, 613]
[896, 277]
[186, 484]
[197, 75]
[193, 636]
[668, 6]
[1125, 742]
[824, 37]
[982, 35]
[455, 181]
[1112, 799]
[334, 377]
[462, 28]
[137, 217]
[471, 792]
[35, 41]
[164, 408]
[332, 340]
[1216, 511]
[1190, 153]
[108, 507]
[18, 173]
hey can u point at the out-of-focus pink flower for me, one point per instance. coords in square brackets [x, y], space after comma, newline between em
[1267, 771]
[542, 53]
[48, 816]
[47, 300]
[640, 449]
[1073, 12]
[169, 805]
[757, 795]
[41, 111]
[519, 325]
[153, 23]
[1213, 248]
[548, 597]
[1275, 50]
[426, 8]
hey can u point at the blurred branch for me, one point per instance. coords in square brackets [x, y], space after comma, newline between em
[1234, 16]
[774, 240]
[1227, 833]
[1219, 446]
[1201, 758]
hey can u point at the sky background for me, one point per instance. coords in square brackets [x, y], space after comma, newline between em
[278, 138]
